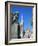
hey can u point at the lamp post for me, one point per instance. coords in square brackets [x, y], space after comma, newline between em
[18, 27]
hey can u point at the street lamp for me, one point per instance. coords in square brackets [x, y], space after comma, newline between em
[17, 18]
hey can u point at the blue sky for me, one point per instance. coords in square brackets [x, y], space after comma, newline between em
[26, 12]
